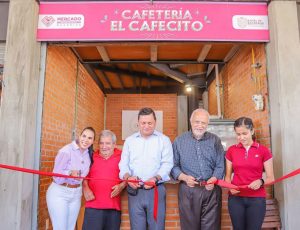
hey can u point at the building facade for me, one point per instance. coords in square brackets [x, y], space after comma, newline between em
[32, 113]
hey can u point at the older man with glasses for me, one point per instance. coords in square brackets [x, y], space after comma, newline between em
[198, 163]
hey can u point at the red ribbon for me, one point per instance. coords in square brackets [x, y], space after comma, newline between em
[225, 184]
[221, 183]
[155, 205]
[33, 171]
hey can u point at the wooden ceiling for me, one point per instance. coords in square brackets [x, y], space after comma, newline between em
[152, 67]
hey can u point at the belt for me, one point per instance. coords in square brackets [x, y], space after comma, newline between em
[70, 185]
[200, 182]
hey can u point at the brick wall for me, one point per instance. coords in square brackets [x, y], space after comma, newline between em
[164, 102]
[168, 104]
[60, 113]
[238, 88]
[212, 99]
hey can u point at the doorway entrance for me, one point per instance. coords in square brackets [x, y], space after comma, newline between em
[95, 82]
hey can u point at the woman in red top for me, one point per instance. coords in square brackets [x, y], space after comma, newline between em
[247, 160]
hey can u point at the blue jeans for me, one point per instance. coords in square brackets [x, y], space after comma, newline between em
[246, 213]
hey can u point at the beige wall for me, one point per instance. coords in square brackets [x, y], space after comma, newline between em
[18, 115]
[283, 58]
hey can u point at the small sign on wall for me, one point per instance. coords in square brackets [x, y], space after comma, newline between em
[130, 122]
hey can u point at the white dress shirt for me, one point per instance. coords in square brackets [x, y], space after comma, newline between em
[147, 157]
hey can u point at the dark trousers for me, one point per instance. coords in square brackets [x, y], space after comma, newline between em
[141, 208]
[199, 208]
[247, 213]
[101, 219]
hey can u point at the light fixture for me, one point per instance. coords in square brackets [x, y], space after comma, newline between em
[188, 88]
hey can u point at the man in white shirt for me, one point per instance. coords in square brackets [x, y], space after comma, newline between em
[146, 155]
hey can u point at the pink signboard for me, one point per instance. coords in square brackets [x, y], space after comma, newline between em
[157, 21]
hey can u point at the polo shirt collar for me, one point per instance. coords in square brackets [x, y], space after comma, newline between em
[254, 144]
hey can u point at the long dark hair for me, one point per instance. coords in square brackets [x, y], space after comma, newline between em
[91, 153]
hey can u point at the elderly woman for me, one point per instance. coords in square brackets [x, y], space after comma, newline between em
[247, 160]
[64, 194]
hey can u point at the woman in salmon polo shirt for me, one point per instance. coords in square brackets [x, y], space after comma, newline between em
[103, 200]
[247, 161]
[64, 194]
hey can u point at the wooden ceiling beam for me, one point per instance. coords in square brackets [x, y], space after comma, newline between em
[135, 74]
[153, 90]
[175, 66]
[153, 52]
[169, 61]
[204, 52]
[176, 75]
[149, 80]
[103, 53]
[140, 82]
[135, 79]
[106, 78]
[198, 74]
[231, 53]
[95, 77]
[120, 80]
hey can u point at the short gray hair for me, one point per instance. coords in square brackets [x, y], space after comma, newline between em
[108, 133]
[200, 110]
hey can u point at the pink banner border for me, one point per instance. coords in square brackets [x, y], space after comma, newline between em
[261, 36]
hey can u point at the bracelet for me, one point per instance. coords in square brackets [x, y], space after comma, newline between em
[262, 182]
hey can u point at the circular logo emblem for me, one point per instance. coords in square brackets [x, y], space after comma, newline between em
[242, 22]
